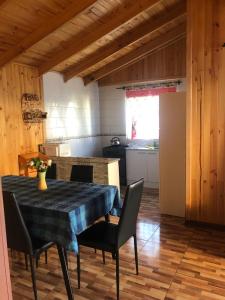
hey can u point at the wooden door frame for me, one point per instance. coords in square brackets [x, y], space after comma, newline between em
[5, 283]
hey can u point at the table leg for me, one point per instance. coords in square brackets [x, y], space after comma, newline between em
[65, 272]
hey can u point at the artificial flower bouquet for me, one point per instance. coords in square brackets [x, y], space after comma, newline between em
[39, 164]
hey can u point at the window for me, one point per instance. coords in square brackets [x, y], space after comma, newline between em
[142, 112]
[142, 117]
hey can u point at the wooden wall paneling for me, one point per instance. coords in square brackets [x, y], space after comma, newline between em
[168, 62]
[137, 54]
[110, 22]
[2, 2]
[33, 32]
[2, 120]
[205, 112]
[17, 137]
[128, 38]
[5, 283]
[47, 27]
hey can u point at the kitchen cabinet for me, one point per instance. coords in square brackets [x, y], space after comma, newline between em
[143, 163]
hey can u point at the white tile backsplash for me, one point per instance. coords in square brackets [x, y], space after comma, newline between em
[73, 114]
[112, 111]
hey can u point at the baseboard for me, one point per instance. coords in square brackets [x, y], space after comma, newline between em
[205, 225]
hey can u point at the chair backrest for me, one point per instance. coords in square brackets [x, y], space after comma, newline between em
[82, 173]
[18, 237]
[51, 172]
[129, 214]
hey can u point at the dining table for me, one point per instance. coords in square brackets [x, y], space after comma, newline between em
[62, 211]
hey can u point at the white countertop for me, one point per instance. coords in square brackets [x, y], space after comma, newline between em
[139, 148]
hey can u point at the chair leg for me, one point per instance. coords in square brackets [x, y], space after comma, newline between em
[136, 253]
[66, 257]
[33, 277]
[37, 260]
[78, 269]
[103, 257]
[46, 257]
[26, 261]
[117, 276]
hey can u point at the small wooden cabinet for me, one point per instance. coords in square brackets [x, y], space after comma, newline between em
[23, 160]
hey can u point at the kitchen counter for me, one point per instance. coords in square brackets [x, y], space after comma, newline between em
[105, 170]
[142, 149]
[84, 159]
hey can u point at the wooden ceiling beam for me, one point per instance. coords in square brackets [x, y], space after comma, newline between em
[125, 40]
[2, 2]
[137, 54]
[127, 11]
[45, 29]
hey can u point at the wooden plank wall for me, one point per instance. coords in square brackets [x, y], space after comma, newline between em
[5, 283]
[167, 63]
[206, 111]
[16, 137]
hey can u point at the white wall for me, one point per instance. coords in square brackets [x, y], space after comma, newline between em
[85, 116]
[73, 114]
[112, 114]
[172, 116]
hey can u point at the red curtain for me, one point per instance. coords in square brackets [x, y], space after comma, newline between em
[150, 92]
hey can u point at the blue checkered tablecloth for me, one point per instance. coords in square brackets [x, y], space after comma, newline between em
[64, 210]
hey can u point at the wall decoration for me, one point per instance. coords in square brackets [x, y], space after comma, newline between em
[31, 112]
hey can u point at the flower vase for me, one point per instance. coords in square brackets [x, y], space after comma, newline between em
[42, 185]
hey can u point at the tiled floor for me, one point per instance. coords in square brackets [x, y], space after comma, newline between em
[176, 262]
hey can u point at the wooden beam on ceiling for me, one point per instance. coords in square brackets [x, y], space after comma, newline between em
[127, 11]
[137, 54]
[53, 23]
[125, 40]
[2, 2]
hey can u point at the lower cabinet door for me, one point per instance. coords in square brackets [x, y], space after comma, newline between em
[152, 162]
[143, 164]
[136, 165]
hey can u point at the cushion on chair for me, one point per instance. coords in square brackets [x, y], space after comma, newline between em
[101, 235]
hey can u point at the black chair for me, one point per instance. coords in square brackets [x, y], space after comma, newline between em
[51, 172]
[81, 173]
[110, 237]
[18, 237]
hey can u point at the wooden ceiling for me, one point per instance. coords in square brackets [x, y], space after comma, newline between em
[87, 38]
